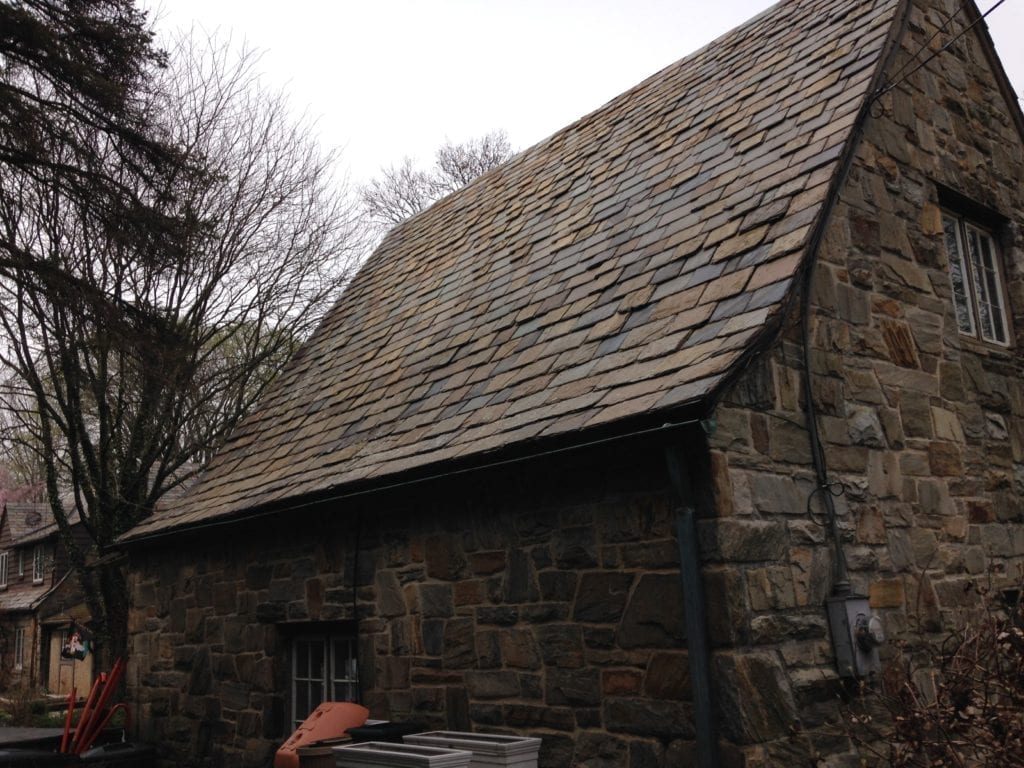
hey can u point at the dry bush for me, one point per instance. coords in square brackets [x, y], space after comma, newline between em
[958, 702]
[22, 706]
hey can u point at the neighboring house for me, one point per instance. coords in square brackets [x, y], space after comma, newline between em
[39, 601]
[468, 500]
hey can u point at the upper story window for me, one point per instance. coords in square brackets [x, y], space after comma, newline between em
[21, 563]
[38, 564]
[19, 648]
[975, 271]
[4, 557]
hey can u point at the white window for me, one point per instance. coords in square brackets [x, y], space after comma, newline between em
[323, 669]
[3, 569]
[19, 648]
[974, 270]
[21, 563]
[38, 564]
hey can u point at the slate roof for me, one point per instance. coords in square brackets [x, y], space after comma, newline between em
[620, 268]
[24, 517]
[32, 521]
[28, 598]
[23, 600]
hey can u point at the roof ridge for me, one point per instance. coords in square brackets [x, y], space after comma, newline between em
[703, 49]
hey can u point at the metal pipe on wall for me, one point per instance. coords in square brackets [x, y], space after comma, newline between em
[694, 613]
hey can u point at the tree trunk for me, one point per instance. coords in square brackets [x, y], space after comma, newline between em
[113, 626]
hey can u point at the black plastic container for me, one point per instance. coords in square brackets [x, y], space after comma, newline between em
[390, 732]
[35, 758]
[120, 755]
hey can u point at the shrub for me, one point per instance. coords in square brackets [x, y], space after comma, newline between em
[23, 705]
[957, 702]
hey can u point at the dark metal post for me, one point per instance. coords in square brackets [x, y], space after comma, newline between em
[693, 610]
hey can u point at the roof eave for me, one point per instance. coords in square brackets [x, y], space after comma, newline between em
[683, 416]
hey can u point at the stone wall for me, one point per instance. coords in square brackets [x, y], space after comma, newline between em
[541, 599]
[923, 427]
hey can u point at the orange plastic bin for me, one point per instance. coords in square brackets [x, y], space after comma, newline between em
[328, 721]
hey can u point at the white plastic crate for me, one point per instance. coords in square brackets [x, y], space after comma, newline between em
[489, 749]
[382, 754]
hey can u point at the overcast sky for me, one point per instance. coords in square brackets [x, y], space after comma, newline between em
[389, 78]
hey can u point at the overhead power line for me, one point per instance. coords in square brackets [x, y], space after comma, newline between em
[899, 79]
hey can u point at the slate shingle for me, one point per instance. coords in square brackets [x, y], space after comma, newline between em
[617, 269]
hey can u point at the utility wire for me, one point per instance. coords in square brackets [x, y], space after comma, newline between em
[884, 90]
[924, 47]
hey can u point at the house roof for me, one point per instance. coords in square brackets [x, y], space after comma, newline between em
[29, 598]
[25, 517]
[620, 269]
[22, 600]
[33, 521]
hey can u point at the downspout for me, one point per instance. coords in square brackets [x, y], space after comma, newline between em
[694, 613]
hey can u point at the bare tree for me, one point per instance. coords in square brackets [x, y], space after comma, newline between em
[403, 190]
[22, 468]
[399, 192]
[125, 402]
[459, 164]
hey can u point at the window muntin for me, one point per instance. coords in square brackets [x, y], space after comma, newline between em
[977, 282]
[323, 669]
[4, 557]
[38, 564]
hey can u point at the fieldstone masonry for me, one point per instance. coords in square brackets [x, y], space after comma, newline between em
[510, 604]
[545, 597]
[923, 426]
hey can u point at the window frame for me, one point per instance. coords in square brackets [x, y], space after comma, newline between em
[19, 648]
[980, 298]
[335, 644]
[38, 564]
[4, 564]
[21, 563]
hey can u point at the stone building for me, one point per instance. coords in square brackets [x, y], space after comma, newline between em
[645, 364]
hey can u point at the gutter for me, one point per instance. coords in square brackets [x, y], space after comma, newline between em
[319, 499]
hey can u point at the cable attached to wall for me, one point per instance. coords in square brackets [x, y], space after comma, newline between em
[899, 79]
[840, 572]
[841, 586]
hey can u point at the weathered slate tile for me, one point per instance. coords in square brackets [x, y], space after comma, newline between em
[616, 269]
